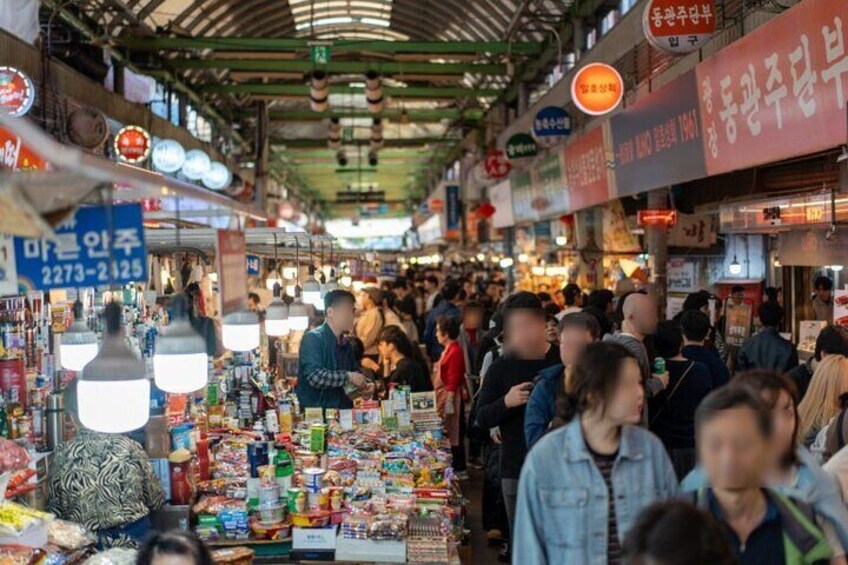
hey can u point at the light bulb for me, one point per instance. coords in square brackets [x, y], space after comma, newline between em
[506, 262]
[298, 316]
[561, 240]
[78, 347]
[835, 268]
[240, 331]
[735, 267]
[114, 407]
[523, 258]
[277, 319]
[180, 364]
[114, 393]
[312, 291]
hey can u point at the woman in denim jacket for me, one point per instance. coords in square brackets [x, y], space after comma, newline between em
[583, 485]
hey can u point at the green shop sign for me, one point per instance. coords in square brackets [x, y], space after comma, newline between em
[521, 146]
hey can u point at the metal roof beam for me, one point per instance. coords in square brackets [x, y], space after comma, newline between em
[397, 92]
[341, 67]
[388, 143]
[393, 115]
[339, 46]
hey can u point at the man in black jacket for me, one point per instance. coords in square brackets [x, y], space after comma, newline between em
[767, 349]
[508, 382]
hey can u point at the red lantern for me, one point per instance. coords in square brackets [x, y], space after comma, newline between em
[497, 165]
[486, 210]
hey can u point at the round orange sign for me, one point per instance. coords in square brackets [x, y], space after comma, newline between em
[597, 89]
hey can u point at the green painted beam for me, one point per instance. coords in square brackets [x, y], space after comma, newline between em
[262, 89]
[338, 46]
[393, 114]
[341, 67]
[390, 143]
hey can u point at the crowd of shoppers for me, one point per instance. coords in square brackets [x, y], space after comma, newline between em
[604, 434]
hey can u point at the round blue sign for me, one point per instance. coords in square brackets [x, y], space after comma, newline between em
[552, 121]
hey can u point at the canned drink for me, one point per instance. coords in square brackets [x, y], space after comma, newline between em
[659, 366]
[312, 478]
[297, 500]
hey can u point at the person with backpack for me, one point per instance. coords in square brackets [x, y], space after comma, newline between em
[735, 435]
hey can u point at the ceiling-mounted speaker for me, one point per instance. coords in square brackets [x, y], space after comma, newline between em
[319, 92]
[374, 92]
[341, 158]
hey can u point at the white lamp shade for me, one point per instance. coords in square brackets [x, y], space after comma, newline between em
[76, 356]
[181, 373]
[114, 407]
[735, 268]
[277, 319]
[298, 316]
[240, 331]
[312, 297]
[217, 177]
[277, 328]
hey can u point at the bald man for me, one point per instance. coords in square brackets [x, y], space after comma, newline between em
[640, 317]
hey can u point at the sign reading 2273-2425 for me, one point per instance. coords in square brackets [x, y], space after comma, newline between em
[83, 248]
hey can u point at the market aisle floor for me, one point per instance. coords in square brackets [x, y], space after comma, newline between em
[478, 551]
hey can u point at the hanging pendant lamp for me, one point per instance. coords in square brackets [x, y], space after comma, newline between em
[79, 343]
[240, 331]
[277, 314]
[114, 393]
[298, 310]
[180, 364]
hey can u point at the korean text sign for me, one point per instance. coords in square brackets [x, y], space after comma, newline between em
[586, 173]
[81, 253]
[679, 26]
[778, 92]
[657, 141]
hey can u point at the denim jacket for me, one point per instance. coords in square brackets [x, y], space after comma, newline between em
[812, 485]
[562, 498]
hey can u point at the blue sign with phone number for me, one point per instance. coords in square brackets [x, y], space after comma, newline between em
[80, 254]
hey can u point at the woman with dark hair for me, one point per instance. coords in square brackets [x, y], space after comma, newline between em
[583, 485]
[794, 471]
[179, 547]
[451, 389]
[676, 533]
[403, 362]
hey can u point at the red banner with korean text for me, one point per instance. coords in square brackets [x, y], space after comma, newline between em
[585, 170]
[16, 156]
[779, 92]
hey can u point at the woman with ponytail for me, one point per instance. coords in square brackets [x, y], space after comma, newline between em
[583, 485]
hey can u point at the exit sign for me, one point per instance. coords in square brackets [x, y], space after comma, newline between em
[320, 54]
[665, 218]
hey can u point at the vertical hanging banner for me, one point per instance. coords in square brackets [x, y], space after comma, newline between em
[452, 212]
[521, 184]
[586, 173]
[83, 248]
[551, 197]
[230, 260]
[657, 141]
[778, 92]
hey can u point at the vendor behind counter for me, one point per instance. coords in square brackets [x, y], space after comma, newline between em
[104, 482]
